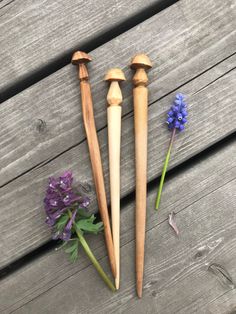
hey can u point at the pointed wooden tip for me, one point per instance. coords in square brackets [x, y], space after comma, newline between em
[139, 284]
[115, 75]
[140, 292]
[117, 283]
[80, 57]
[141, 61]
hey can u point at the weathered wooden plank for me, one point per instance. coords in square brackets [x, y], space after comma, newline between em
[63, 125]
[45, 120]
[224, 304]
[215, 120]
[177, 279]
[35, 34]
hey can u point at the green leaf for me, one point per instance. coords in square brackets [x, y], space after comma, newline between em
[60, 225]
[61, 246]
[74, 256]
[72, 249]
[83, 213]
[88, 225]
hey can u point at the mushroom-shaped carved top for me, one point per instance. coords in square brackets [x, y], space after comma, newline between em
[141, 61]
[114, 75]
[80, 57]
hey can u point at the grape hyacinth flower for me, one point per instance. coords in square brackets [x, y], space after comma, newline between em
[68, 218]
[176, 120]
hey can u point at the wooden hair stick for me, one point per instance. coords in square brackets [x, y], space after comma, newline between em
[140, 63]
[80, 59]
[114, 100]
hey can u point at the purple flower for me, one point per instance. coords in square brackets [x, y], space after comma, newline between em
[53, 216]
[85, 203]
[66, 234]
[66, 180]
[61, 196]
[177, 116]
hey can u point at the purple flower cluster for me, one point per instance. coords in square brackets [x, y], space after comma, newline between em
[177, 116]
[65, 235]
[60, 196]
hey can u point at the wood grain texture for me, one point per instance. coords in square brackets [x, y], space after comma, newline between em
[215, 120]
[176, 280]
[31, 230]
[45, 120]
[48, 30]
[114, 112]
[140, 63]
[34, 146]
[114, 136]
[80, 59]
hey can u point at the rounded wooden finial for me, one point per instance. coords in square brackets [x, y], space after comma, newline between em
[115, 75]
[80, 57]
[141, 61]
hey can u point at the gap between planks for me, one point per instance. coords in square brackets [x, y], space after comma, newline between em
[22, 116]
[51, 58]
[33, 220]
[204, 217]
[202, 131]
[125, 201]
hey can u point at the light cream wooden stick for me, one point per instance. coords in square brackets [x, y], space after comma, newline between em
[80, 59]
[114, 100]
[140, 63]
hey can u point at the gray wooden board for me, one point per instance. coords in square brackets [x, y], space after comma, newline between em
[26, 193]
[45, 120]
[212, 117]
[34, 34]
[177, 279]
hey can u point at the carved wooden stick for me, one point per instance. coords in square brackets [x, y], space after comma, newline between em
[80, 59]
[114, 99]
[140, 64]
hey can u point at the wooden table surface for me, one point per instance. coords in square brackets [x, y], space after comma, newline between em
[192, 45]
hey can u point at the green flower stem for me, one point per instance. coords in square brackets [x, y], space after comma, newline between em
[164, 169]
[92, 257]
[94, 260]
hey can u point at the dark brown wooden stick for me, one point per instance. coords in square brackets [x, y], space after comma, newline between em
[140, 64]
[80, 59]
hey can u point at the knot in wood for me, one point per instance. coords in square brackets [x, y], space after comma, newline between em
[41, 126]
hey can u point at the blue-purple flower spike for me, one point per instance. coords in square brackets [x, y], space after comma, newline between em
[177, 116]
[176, 119]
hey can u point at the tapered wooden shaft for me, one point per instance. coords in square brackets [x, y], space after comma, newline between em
[95, 156]
[114, 129]
[114, 99]
[140, 93]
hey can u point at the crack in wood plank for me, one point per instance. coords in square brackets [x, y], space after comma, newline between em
[222, 274]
